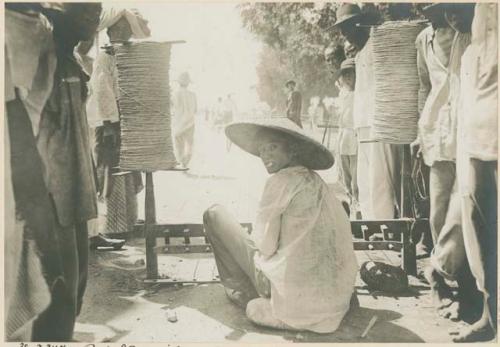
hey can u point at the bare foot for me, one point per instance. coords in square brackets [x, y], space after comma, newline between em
[259, 311]
[423, 250]
[478, 332]
[451, 312]
[237, 297]
[440, 292]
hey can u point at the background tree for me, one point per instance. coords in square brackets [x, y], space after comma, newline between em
[296, 38]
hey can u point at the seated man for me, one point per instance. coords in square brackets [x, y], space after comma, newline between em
[297, 269]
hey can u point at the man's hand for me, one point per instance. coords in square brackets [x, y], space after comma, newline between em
[109, 49]
[416, 150]
[262, 284]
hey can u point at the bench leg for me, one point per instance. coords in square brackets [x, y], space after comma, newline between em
[409, 252]
[149, 232]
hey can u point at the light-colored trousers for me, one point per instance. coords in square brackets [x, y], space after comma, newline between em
[349, 174]
[363, 166]
[480, 231]
[448, 256]
[378, 177]
[184, 145]
[234, 252]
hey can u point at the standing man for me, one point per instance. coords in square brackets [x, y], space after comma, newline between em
[293, 103]
[218, 115]
[118, 191]
[63, 143]
[32, 263]
[436, 39]
[347, 142]
[439, 63]
[229, 110]
[185, 108]
[433, 50]
[478, 154]
[378, 163]
[229, 115]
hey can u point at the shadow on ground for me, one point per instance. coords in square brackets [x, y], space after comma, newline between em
[119, 307]
[211, 301]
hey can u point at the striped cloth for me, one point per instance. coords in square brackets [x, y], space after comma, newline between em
[121, 205]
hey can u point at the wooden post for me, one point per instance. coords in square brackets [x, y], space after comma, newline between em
[409, 252]
[406, 191]
[149, 231]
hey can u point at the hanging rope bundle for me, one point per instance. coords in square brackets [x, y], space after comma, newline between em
[143, 81]
[396, 81]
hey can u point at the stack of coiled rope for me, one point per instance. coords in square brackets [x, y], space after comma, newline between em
[144, 100]
[396, 81]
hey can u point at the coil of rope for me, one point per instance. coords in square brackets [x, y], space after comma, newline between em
[396, 81]
[144, 101]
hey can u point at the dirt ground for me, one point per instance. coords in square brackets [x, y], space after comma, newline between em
[119, 307]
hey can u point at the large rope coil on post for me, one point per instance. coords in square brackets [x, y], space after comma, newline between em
[144, 100]
[396, 81]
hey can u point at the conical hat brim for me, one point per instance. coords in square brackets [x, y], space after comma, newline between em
[345, 18]
[314, 155]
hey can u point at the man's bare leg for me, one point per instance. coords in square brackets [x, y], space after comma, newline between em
[440, 292]
[481, 330]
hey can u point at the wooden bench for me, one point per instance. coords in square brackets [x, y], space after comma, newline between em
[387, 235]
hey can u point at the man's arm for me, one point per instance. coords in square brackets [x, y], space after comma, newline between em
[266, 238]
[423, 74]
[103, 90]
[277, 195]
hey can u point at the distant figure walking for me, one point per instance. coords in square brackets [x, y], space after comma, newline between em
[294, 103]
[229, 110]
[185, 108]
[229, 114]
[218, 115]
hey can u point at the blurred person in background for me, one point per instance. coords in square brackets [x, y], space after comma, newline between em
[185, 109]
[293, 103]
[229, 111]
[218, 115]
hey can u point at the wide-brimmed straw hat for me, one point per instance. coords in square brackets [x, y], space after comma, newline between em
[345, 12]
[433, 9]
[312, 154]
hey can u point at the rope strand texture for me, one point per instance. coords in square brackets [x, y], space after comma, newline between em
[143, 80]
[396, 81]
